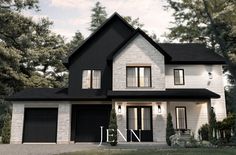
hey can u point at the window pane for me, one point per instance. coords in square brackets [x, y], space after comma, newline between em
[147, 77]
[145, 119]
[179, 76]
[180, 118]
[133, 118]
[86, 79]
[96, 79]
[132, 77]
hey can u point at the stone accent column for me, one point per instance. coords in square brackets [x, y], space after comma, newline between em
[17, 123]
[121, 120]
[64, 123]
[159, 121]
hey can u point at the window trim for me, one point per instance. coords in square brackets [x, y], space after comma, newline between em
[185, 113]
[91, 78]
[138, 78]
[183, 77]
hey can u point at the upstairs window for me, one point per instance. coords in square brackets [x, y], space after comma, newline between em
[179, 76]
[138, 76]
[91, 79]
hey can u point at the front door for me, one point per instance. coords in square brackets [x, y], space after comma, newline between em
[139, 120]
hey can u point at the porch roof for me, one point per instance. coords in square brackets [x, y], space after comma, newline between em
[166, 94]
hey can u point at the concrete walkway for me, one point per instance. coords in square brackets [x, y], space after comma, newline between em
[51, 149]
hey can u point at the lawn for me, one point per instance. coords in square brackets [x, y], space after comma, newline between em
[187, 151]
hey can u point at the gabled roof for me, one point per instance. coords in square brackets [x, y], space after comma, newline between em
[131, 38]
[191, 53]
[88, 39]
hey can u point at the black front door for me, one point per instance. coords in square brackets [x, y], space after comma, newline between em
[87, 121]
[139, 120]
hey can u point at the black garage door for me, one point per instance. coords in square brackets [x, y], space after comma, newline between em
[87, 120]
[40, 125]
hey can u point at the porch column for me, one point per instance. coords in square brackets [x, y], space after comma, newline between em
[17, 123]
[64, 123]
[121, 120]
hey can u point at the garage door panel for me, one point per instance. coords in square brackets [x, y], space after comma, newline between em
[40, 125]
[88, 119]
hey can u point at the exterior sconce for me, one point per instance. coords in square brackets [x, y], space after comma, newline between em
[119, 109]
[210, 75]
[159, 109]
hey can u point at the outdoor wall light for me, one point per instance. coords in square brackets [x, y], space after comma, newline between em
[119, 109]
[210, 75]
[159, 109]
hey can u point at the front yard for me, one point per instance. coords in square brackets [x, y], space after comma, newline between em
[186, 151]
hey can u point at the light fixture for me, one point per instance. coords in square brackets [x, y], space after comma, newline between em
[159, 108]
[119, 109]
[210, 75]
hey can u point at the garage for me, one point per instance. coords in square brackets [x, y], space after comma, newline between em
[40, 125]
[86, 122]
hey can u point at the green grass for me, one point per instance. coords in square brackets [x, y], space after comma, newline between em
[186, 151]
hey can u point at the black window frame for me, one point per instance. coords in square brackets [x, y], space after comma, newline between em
[91, 78]
[138, 86]
[183, 77]
[185, 113]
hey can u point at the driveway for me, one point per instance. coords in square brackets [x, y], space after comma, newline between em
[51, 149]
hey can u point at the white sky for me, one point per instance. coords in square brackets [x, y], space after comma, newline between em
[72, 15]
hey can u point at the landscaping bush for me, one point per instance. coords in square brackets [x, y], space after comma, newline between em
[204, 132]
[6, 129]
[169, 129]
[113, 125]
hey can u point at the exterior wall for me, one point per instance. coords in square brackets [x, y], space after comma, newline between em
[17, 123]
[196, 113]
[64, 123]
[196, 76]
[139, 52]
[158, 119]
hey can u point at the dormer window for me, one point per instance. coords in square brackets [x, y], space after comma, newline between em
[91, 79]
[138, 76]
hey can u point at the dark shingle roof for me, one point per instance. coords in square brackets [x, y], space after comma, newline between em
[191, 53]
[60, 94]
[167, 94]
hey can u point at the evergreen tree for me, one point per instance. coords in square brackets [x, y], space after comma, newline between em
[76, 41]
[6, 130]
[212, 126]
[169, 129]
[98, 16]
[113, 128]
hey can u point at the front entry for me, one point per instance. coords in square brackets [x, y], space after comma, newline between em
[139, 119]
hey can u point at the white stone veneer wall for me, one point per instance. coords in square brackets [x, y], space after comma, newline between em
[139, 53]
[17, 123]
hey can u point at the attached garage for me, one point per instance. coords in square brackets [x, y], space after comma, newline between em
[86, 122]
[40, 125]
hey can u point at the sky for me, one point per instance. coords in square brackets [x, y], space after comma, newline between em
[70, 16]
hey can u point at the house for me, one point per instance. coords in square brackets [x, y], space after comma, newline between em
[123, 68]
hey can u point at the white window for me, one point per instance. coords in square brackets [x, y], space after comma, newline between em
[91, 79]
[181, 118]
[179, 76]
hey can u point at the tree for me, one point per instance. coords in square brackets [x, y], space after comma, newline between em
[113, 128]
[169, 129]
[133, 22]
[98, 16]
[212, 126]
[6, 130]
[76, 41]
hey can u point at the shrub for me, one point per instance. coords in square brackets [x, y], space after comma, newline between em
[212, 126]
[113, 127]
[169, 129]
[6, 129]
[204, 132]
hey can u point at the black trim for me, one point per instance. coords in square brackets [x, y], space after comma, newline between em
[138, 67]
[183, 77]
[185, 111]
